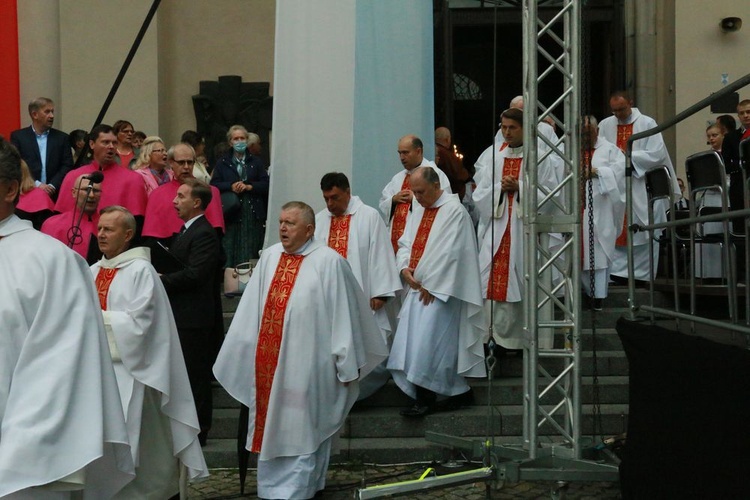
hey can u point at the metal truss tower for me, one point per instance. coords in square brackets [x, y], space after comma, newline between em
[552, 295]
[552, 229]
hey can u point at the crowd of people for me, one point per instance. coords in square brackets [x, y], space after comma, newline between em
[350, 297]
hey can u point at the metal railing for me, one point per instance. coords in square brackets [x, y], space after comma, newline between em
[634, 307]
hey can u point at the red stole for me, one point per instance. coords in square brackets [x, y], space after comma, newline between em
[269, 338]
[104, 280]
[399, 216]
[338, 236]
[423, 233]
[623, 134]
[497, 288]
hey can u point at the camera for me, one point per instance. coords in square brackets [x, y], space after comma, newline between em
[730, 24]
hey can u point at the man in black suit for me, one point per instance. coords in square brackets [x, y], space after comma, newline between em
[46, 150]
[191, 291]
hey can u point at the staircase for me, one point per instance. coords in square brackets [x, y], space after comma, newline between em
[375, 432]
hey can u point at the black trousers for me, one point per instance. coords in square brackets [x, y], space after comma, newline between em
[197, 349]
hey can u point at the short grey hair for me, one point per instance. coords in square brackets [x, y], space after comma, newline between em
[127, 217]
[308, 215]
[235, 128]
[428, 174]
[39, 103]
[516, 102]
[170, 151]
[253, 138]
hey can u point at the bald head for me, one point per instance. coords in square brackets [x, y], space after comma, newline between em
[443, 137]
[517, 102]
[410, 151]
[181, 159]
[425, 184]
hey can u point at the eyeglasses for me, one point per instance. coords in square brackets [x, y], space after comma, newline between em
[160, 151]
[185, 163]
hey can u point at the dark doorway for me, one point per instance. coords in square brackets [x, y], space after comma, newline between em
[464, 49]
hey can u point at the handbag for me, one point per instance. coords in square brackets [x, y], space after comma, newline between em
[230, 205]
[236, 278]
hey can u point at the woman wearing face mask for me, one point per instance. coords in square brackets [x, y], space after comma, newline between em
[243, 183]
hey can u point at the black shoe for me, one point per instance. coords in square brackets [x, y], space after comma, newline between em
[416, 411]
[596, 304]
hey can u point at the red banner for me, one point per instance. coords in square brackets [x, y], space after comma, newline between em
[10, 102]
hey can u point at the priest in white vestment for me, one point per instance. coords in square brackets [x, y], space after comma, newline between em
[300, 340]
[397, 202]
[145, 348]
[544, 131]
[356, 231]
[606, 209]
[501, 247]
[647, 154]
[439, 337]
[62, 433]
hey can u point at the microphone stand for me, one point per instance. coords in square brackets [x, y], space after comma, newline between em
[74, 233]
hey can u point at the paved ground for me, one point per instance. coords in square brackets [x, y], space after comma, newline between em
[344, 480]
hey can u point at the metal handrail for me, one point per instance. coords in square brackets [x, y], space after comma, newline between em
[690, 111]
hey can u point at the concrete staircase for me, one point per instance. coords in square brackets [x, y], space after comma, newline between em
[375, 432]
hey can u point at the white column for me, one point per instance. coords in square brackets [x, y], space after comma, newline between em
[350, 79]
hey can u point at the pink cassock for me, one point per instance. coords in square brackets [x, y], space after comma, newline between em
[162, 220]
[119, 187]
[58, 226]
[36, 200]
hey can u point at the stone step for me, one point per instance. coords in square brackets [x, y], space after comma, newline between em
[222, 453]
[506, 391]
[385, 422]
[506, 420]
[612, 368]
[608, 363]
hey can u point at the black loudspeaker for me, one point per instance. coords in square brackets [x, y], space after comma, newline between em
[727, 104]
[688, 433]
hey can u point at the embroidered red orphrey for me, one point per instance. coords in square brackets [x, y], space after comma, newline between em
[338, 236]
[423, 233]
[399, 216]
[497, 288]
[269, 338]
[103, 281]
[623, 134]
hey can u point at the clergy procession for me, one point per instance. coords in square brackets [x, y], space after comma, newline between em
[105, 384]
